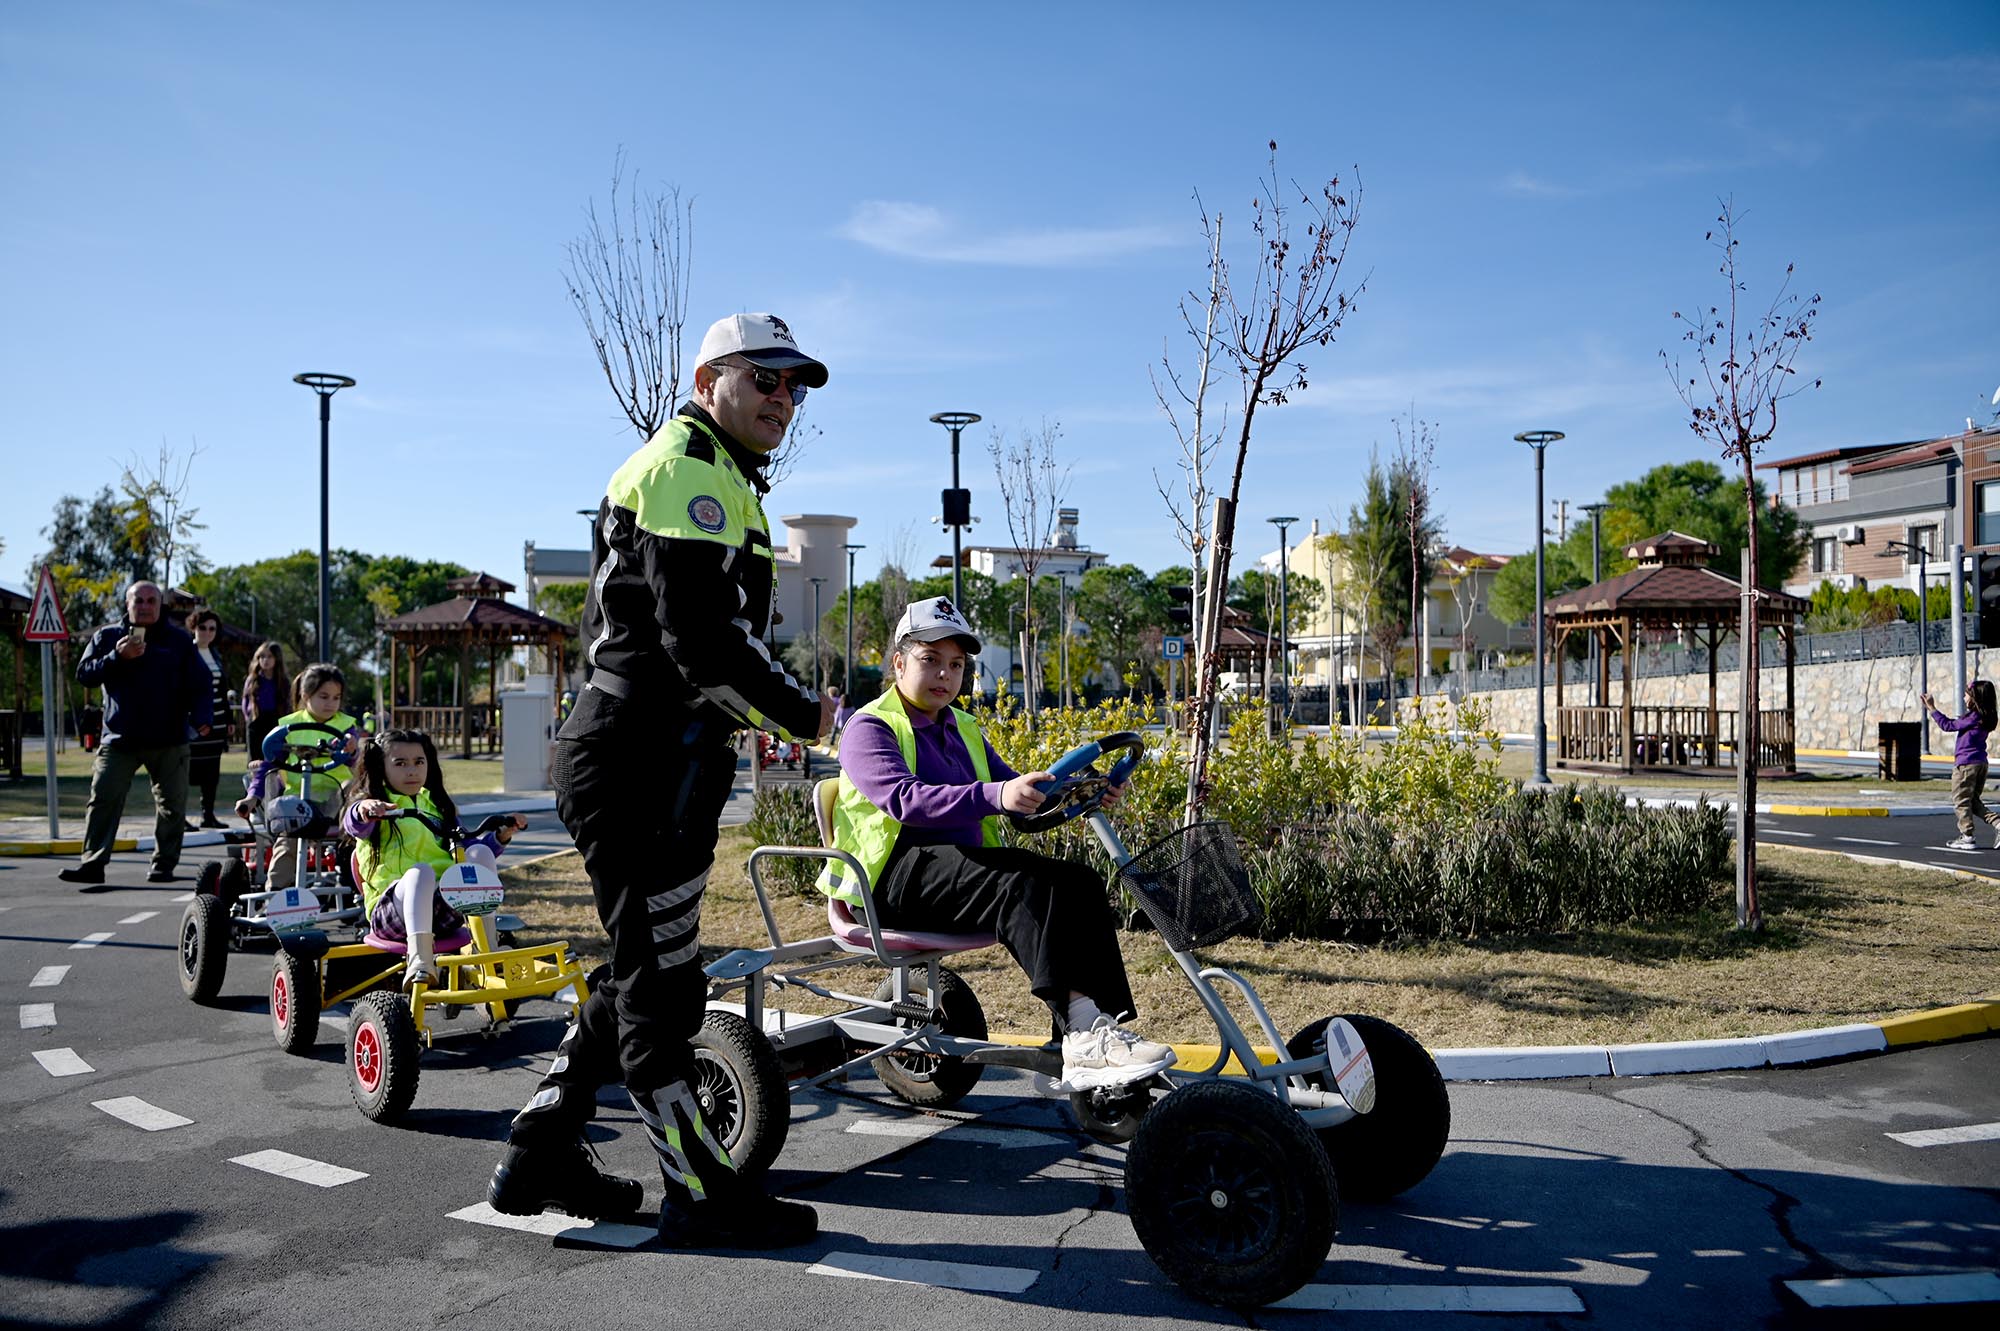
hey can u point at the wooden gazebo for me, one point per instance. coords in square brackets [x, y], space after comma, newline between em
[476, 618]
[1672, 590]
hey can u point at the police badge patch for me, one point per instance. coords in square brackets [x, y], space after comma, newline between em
[706, 513]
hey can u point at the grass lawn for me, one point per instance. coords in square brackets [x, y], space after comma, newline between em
[28, 798]
[1844, 942]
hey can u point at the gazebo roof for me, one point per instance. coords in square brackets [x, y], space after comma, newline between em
[1672, 582]
[477, 618]
[479, 584]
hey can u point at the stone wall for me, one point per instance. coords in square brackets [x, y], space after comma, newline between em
[1837, 703]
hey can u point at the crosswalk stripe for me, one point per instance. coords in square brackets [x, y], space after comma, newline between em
[1970, 1132]
[286, 1165]
[47, 976]
[88, 940]
[183, 897]
[139, 918]
[61, 1062]
[34, 1015]
[1897, 1291]
[1005, 1138]
[598, 1233]
[1435, 1298]
[918, 1271]
[139, 1114]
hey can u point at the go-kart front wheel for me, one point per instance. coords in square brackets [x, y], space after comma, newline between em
[741, 1091]
[204, 947]
[1231, 1193]
[294, 1002]
[382, 1054]
[1395, 1145]
[931, 1081]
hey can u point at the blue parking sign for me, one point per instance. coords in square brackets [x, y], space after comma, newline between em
[1173, 649]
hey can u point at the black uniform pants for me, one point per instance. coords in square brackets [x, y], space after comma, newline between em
[1052, 915]
[641, 788]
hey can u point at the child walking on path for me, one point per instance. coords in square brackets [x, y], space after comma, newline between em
[397, 861]
[1968, 772]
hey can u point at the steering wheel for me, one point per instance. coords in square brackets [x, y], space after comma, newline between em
[280, 748]
[1079, 788]
[491, 823]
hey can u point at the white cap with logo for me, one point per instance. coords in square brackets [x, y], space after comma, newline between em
[931, 620]
[761, 339]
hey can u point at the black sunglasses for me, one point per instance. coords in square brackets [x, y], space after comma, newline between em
[767, 382]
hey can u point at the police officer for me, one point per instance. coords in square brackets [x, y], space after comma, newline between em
[675, 621]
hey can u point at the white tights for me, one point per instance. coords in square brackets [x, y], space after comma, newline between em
[416, 892]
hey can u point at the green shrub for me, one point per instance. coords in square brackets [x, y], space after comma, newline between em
[782, 815]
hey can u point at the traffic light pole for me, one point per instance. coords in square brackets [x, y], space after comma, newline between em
[1957, 585]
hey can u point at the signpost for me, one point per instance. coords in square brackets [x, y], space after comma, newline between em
[1173, 648]
[46, 626]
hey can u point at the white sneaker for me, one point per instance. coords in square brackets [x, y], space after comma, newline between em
[1962, 843]
[1996, 841]
[1109, 1055]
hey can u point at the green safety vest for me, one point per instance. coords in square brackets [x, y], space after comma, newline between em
[867, 833]
[325, 787]
[400, 845]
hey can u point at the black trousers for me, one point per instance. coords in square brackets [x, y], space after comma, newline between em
[1052, 915]
[641, 788]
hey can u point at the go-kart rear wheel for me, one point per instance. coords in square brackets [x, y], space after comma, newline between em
[204, 947]
[1112, 1113]
[382, 1053]
[741, 1091]
[1396, 1144]
[294, 1002]
[930, 1081]
[1231, 1194]
[233, 881]
[207, 878]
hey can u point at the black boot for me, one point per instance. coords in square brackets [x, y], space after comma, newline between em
[532, 1179]
[753, 1222]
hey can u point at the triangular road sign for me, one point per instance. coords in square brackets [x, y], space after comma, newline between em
[45, 616]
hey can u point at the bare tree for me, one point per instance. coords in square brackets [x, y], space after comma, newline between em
[1032, 484]
[1189, 419]
[1464, 581]
[159, 522]
[628, 280]
[786, 454]
[1294, 301]
[1416, 448]
[895, 574]
[1743, 368]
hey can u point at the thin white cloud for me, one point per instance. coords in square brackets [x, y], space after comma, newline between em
[919, 231]
[1526, 186]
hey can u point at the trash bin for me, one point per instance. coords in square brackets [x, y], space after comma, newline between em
[1900, 748]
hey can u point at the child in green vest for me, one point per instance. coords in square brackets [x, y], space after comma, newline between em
[397, 860]
[317, 697]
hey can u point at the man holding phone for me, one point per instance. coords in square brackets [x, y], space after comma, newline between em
[157, 695]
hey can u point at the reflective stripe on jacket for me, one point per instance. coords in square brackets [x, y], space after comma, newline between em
[867, 833]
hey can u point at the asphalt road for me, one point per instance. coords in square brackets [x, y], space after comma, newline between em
[1917, 839]
[1605, 1203]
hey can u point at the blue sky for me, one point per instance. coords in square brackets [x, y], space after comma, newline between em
[985, 208]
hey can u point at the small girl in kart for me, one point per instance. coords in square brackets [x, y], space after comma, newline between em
[397, 860]
[317, 695]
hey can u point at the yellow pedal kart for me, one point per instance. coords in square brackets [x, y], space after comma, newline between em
[388, 1029]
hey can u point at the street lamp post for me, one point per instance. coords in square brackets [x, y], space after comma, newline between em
[1284, 609]
[957, 502]
[847, 678]
[817, 583]
[1906, 549]
[1596, 512]
[325, 385]
[1539, 440]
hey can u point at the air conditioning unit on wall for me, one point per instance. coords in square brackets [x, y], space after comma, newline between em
[1851, 534]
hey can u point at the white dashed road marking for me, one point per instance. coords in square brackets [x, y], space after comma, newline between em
[916, 1271]
[183, 897]
[88, 940]
[596, 1233]
[37, 1014]
[139, 1114]
[1970, 1132]
[1891, 1291]
[286, 1165]
[1014, 1138]
[1864, 841]
[1436, 1299]
[145, 915]
[47, 976]
[1779, 831]
[61, 1062]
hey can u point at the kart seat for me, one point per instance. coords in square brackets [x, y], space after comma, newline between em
[451, 942]
[854, 933]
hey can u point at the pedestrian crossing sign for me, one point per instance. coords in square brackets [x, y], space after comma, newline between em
[45, 616]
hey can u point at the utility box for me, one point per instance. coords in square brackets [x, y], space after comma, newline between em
[528, 733]
[1900, 750]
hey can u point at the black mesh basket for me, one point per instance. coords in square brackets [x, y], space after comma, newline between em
[1193, 887]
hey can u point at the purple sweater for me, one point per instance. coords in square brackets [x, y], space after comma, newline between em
[942, 803]
[1971, 738]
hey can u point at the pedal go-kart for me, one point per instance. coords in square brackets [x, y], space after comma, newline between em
[387, 1029]
[1233, 1183]
[232, 909]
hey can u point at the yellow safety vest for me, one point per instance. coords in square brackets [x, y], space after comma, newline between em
[867, 833]
[325, 787]
[400, 845]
